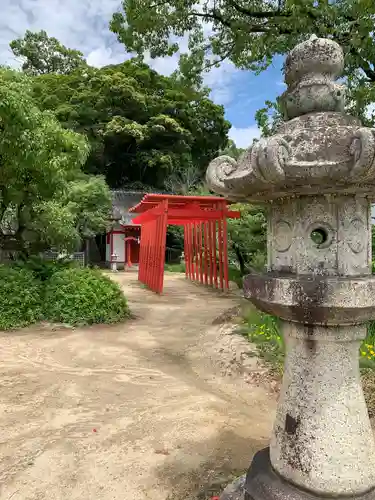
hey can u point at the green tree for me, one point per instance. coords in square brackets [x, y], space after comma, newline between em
[142, 127]
[232, 150]
[269, 118]
[42, 54]
[45, 199]
[247, 237]
[250, 33]
[183, 181]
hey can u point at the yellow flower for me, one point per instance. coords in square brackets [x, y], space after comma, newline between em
[363, 353]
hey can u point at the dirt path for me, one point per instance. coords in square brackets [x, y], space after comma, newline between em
[134, 412]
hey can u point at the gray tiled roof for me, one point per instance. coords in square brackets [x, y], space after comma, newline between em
[122, 200]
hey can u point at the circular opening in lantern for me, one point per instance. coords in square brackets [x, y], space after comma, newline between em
[319, 236]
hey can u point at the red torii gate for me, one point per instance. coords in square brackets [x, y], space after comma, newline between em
[205, 237]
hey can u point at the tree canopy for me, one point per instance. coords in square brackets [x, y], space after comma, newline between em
[250, 33]
[143, 127]
[45, 199]
[42, 54]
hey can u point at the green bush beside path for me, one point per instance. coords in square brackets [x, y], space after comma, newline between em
[58, 292]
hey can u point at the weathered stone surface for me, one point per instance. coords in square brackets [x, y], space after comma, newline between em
[326, 301]
[313, 154]
[322, 438]
[310, 71]
[263, 483]
[316, 58]
[318, 172]
[234, 491]
[342, 223]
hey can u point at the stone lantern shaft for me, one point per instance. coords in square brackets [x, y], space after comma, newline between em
[320, 248]
[317, 175]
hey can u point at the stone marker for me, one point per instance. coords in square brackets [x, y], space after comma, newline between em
[317, 175]
[114, 257]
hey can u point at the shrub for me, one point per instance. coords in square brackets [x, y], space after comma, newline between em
[20, 298]
[44, 269]
[84, 296]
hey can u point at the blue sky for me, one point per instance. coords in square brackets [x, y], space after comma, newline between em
[83, 25]
[248, 93]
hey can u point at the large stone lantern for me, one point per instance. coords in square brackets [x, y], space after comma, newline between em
[317, 177]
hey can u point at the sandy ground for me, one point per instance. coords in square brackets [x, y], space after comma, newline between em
[134, 411]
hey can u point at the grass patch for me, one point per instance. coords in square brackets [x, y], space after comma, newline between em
[264, 331]
[234, 274]
[175, 268]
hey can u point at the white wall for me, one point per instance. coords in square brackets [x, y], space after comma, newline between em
[118, 248]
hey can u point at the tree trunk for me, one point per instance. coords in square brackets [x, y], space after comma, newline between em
[240, 258]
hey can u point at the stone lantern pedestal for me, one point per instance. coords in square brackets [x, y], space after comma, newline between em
[317, 176]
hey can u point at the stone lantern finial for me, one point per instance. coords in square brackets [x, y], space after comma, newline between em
[310, 72]
[317, 173]
[317, 149]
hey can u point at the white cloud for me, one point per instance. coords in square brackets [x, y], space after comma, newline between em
[103, 56]
[83, 25]
[163, 65]
[222, 82]
[166, 65]
[243, 137]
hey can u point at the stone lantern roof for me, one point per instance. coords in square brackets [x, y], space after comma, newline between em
[317, 150]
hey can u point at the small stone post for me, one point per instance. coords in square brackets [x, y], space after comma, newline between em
[114, 262]
[317, 176]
